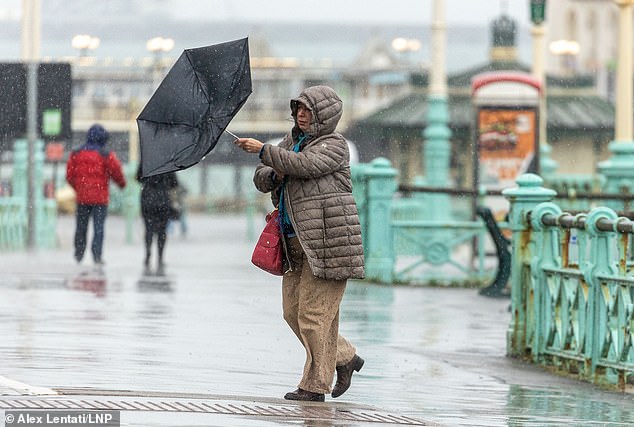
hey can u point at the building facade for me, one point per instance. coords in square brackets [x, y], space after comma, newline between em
[579, 121]
[591, 26]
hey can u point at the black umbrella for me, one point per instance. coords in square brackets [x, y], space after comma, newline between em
[193, 105]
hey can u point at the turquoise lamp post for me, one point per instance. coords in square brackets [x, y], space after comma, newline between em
[619, 169]
[436, 134]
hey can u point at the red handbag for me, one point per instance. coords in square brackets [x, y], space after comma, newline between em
[268, 252]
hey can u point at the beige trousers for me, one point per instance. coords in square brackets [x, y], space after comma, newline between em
[311, 309]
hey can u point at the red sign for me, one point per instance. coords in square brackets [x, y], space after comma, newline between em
[54, 151]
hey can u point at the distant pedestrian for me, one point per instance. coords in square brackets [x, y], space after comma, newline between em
[308, 176]
[89, 171]
[157, 209]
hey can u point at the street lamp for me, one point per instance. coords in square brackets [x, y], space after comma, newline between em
[437, 148]
[404, 46]
[84, 43]
[547, 166]
[568, 50]
[157, 46]
[31, 34]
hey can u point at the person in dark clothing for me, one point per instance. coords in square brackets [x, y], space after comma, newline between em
[88, 171]
[156, 210]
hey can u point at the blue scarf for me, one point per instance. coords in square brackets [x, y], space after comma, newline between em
[285, 222]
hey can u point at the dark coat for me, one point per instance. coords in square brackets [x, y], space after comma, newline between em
[155, 198]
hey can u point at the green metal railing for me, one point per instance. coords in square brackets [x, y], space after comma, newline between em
[572, 288]
[12, 224]
[403, 240]
[13, 213]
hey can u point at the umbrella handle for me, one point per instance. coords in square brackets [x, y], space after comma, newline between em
[232, 134]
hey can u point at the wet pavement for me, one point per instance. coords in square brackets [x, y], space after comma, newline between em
[210, 336]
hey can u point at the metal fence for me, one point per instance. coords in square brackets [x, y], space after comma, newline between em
[572, 287]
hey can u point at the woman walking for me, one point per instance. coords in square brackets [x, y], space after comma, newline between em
[308, 176]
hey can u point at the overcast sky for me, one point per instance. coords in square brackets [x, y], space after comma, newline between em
[479, 12]
[406, 11]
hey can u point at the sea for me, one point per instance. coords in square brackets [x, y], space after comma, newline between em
[467, 46]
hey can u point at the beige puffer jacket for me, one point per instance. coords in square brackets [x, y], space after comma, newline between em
[318, 194]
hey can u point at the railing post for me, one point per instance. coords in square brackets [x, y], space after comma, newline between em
[601, 262]
[547, 254]
[379, 238]
[528, 194]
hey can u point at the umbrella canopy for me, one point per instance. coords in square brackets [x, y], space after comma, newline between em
[193, 105]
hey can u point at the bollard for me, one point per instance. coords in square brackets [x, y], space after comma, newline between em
[379, 238]
[528, 194]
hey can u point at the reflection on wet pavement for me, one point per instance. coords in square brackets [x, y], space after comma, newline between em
[214, 325]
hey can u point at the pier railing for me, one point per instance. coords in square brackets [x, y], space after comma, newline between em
[572, 287]
[405, 242]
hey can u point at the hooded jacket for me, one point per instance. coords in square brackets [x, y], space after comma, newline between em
[90, 168]
[318, 189]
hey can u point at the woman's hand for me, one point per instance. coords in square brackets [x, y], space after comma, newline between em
[250, 145]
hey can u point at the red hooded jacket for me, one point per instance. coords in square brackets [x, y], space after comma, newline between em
[90, 168]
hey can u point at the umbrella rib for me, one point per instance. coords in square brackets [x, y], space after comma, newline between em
[202, 87]
[168, 123]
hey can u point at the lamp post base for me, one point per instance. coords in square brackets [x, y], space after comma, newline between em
[618, 171]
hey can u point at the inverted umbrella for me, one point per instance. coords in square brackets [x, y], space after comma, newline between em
[193, 105]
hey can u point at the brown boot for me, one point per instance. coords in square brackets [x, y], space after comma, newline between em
[344, 375]
[304, 395]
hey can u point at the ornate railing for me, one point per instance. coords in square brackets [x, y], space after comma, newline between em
[12, 224]
[13, 210]
[405, 242]
[572, 290]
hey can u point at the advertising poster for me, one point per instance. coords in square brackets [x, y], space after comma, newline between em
[506, 145]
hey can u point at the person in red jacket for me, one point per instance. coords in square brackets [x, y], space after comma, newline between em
[89, 171]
